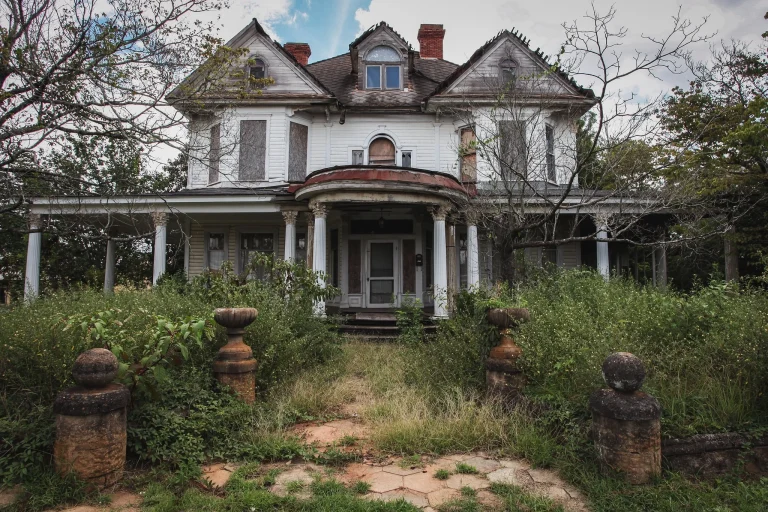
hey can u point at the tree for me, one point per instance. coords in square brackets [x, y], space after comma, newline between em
[68, 69]
[607, 175]
[716, 132]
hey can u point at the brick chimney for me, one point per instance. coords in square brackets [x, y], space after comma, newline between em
[300, 52]
[431, 41]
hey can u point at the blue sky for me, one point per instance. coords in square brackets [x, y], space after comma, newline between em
[328, 27]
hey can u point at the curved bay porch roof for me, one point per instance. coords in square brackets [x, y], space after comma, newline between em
[375, 183]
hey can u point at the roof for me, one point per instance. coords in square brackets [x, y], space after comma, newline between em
[480, 52]
[336, 74]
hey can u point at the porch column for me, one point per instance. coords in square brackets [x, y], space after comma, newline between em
[731, 253]
[450, 258]
[34, 246]
[289, 217]
[660, 266]
[318, 250]
[439, 264]
[473, 253]
[310, 240]
[603, 263]
[109, 267]
[160, 219]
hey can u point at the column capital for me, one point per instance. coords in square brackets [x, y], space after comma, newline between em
[290, 216]
[601, 221]
[318, 209]
[35, 222]
[159, 218]
[440, 212]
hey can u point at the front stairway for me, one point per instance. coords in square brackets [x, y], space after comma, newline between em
[374, 325]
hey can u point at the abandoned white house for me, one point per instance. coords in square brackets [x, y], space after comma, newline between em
[363, 164]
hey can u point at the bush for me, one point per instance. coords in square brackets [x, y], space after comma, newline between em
[166, 340]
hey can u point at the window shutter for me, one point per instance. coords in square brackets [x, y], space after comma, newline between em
[297, 159]
[214, 154]
[253, 150]
[468, 155]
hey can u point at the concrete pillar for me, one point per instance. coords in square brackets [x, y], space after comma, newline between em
[626, 423]
[109, 267]
[160, 219]
[603, 263]
[34, 249]
[440, 262]
[290, 234]
[318, 250]
[91, 421]
[473, 256]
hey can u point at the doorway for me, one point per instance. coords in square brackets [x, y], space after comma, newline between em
[381, 269]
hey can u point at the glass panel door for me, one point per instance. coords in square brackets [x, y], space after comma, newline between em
[381, 273]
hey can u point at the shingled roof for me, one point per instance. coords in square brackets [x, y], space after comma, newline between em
[336, 74]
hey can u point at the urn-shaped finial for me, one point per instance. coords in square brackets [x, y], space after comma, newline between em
[504, 318]
[235, 318]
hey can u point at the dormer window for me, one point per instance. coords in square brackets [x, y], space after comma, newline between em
[383, 69]
[507, 72]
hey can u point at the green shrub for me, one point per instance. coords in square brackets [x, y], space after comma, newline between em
[166, 340]
[408, 319]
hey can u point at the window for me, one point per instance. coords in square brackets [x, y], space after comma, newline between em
[551, 170]
[392, 74]
[258, 69]
[373, 77]
[300, 251]
[549, 256]
[297, 156]
[407, 160]
[381, 152]
[507, 73]
[383, 68]
[216, 252]
[468, 154]
[513, 150]
[357, 157]
[253, 150]
[252, 244]
[214, 154]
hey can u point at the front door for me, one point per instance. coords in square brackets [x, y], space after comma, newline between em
[381, 279]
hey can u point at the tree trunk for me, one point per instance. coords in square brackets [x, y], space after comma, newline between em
[731, 255]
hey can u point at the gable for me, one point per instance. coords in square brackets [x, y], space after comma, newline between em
[213, 81]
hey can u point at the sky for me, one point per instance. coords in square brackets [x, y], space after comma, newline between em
[328, 26]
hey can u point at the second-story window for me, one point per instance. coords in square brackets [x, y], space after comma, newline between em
[383, 69]
[549, 132]
[381, 152]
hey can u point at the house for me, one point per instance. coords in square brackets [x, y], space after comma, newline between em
[365, 165]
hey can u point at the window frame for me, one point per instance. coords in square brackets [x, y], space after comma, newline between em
[383, 65]
[402, 155]
[288, 145]
[214, 153]
[254, 230]
[508, 64]
[471, 128]
[214, 230]
[549, 151]
[367, 85]
[249, 67]
[367, 153]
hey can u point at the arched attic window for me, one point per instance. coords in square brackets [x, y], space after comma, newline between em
[507, 72]
[381, 152]
[257, 71]
[383, 68]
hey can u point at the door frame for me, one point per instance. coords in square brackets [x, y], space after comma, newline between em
[396, 265]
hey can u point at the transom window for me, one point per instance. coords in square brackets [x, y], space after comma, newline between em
[383, 69]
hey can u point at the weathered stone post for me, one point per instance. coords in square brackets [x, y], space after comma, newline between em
[91, 421]
[235, 365]
[502, 376]
[626, 423]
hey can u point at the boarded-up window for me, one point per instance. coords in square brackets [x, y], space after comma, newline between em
[297, 159]
[253, 150]
[513, 150]
[355, 279]
[214, 154]
[468, 155]
[381, 152]
[409, 266]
